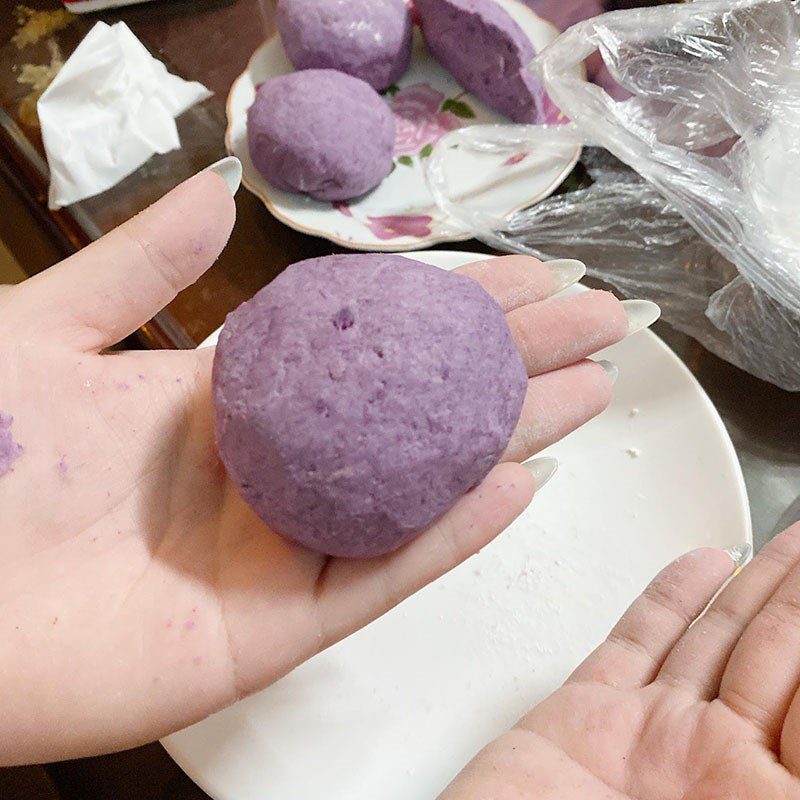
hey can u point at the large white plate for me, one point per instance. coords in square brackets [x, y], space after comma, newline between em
[401, 214]
[396, 710]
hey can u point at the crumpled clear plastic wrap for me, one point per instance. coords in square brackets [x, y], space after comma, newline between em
[689, 193]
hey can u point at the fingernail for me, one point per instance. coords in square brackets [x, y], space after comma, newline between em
[566, 272]
[641, 314]
[230, 169]
[741, 554]
[542, 470]
[612, 370]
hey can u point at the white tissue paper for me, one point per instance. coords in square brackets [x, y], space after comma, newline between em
[110, 108]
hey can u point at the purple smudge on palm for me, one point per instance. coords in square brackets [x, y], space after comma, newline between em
[10, 450]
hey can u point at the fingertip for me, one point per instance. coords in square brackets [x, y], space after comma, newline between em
[213, 195]
[516, 482]
[610, 368]
[702, 570]
[513, 280]
[713, 559]
[516, 261]
[604, 376]
[190, 227]
[603, 309]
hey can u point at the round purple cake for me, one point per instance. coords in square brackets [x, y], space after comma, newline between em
[485, 50]
[369, 39]
[321, 132]
[357, 397]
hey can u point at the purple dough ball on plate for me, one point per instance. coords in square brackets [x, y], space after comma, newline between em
[369, 39]
[321, 132]
[484, 49]
[358, 397]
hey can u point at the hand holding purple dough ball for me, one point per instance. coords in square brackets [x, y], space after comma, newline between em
[357, 398]
[368, 39]
[321, 132]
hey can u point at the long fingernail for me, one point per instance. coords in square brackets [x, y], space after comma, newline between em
[741, 554]
[641, 314]
[612, 370]
[230, 169]
[542, 470]
[566, 272]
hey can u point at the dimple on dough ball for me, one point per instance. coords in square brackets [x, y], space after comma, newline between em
[357, 397]
[369, 39]
[321, 132]
[484, 49]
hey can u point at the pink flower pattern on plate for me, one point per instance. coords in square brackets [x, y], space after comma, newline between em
[418, 118]
[515, 159]
[394, 227]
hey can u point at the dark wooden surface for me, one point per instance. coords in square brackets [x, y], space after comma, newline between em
[210, 40]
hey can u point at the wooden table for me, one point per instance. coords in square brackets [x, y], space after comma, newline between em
[210, 41]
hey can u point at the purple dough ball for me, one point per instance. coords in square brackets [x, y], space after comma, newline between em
[485, 50]
[321, 132]
[357, 397]
[369, 39]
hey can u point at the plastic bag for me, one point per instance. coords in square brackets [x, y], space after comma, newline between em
[700, 209]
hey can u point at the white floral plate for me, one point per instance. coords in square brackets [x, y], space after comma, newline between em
[400, 214]
[394, 711]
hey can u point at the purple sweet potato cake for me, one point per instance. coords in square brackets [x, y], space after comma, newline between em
[321, 132]
[485, 50]
[369, 39]
[357, 397]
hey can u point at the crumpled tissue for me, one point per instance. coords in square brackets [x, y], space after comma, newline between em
[109, 109]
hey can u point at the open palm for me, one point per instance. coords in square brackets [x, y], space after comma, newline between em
[138, 593]
[665, 711]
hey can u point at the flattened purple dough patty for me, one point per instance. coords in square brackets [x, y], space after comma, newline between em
[369, 39]
[357, 397]
[321, 132]
[485, 50]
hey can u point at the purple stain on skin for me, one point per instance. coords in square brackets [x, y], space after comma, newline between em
[10, 450]
[189, 624]
[123, 386]
[178, 380]
[62, 467]
[142, 377]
